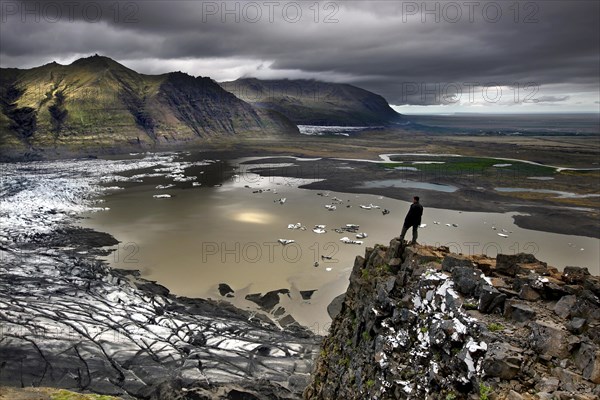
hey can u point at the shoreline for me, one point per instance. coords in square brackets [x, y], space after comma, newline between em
[544, 216]
[128, 336]
[71, 321]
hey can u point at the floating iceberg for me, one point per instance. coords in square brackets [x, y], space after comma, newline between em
[347, 240]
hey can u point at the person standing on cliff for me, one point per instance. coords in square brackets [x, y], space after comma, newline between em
[413, 218]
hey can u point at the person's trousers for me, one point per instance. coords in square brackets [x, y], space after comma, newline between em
[415, 234]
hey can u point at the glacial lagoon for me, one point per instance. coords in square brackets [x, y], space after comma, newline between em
[223, 226]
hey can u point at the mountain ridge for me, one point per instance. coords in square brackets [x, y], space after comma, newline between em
[313, 102]
[96, 101]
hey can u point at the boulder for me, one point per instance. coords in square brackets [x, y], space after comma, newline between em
[528, 293]
[486, 265]
[518, 311]
[467, 280]
[577, 325]
[568, 379]
[549, 339]
[491, 300]
[307, 294]
[564, 305]
[509, 264]
[502, 360]
[587, 359]
[587, 305]
[455, 260]
[269, 300]
[592, 283]
[553, 289]
[548, 384]
[575, 275]
[225, 290]
[335, 307]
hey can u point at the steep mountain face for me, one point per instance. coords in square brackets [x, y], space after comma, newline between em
[309, 102]
[96, 101]
[419, 322]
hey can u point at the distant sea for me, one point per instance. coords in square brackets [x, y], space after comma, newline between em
[505, 124]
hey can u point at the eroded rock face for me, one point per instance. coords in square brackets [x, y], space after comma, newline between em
[420, 322]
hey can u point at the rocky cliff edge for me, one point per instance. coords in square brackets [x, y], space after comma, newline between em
[419, 322]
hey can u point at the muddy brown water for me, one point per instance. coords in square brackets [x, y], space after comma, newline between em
[206, 235]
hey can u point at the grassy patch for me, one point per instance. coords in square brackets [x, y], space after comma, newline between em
[366, 336]
[484, 391]
[495, 327]
[66, 395]
[472, 165]
[365, 273]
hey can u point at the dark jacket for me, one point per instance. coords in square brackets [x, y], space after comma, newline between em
[414, 215]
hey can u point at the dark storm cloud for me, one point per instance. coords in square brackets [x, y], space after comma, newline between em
[399, 49]
[552, 99]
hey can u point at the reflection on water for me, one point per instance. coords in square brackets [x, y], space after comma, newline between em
[253, 217]
[403, 183]
[205, 235]
[557, 193]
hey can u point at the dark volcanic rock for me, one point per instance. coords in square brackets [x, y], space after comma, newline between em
[334, 308]
[269, 300]
[152, 288]
[225, 290]
[549, 339]
[307, 294]
[587, 359]
[468, 280]
[528, 293]
[575, 275]
[564, 305]
[80, 238]
[577, 325]
[491, 300]
[518, 311]
[503, 361]
[412, 331]
[455, 260]
[511, 264]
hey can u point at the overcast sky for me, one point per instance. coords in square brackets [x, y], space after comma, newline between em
[466, 56]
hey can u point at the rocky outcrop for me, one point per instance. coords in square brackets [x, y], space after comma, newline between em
[419, 322]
